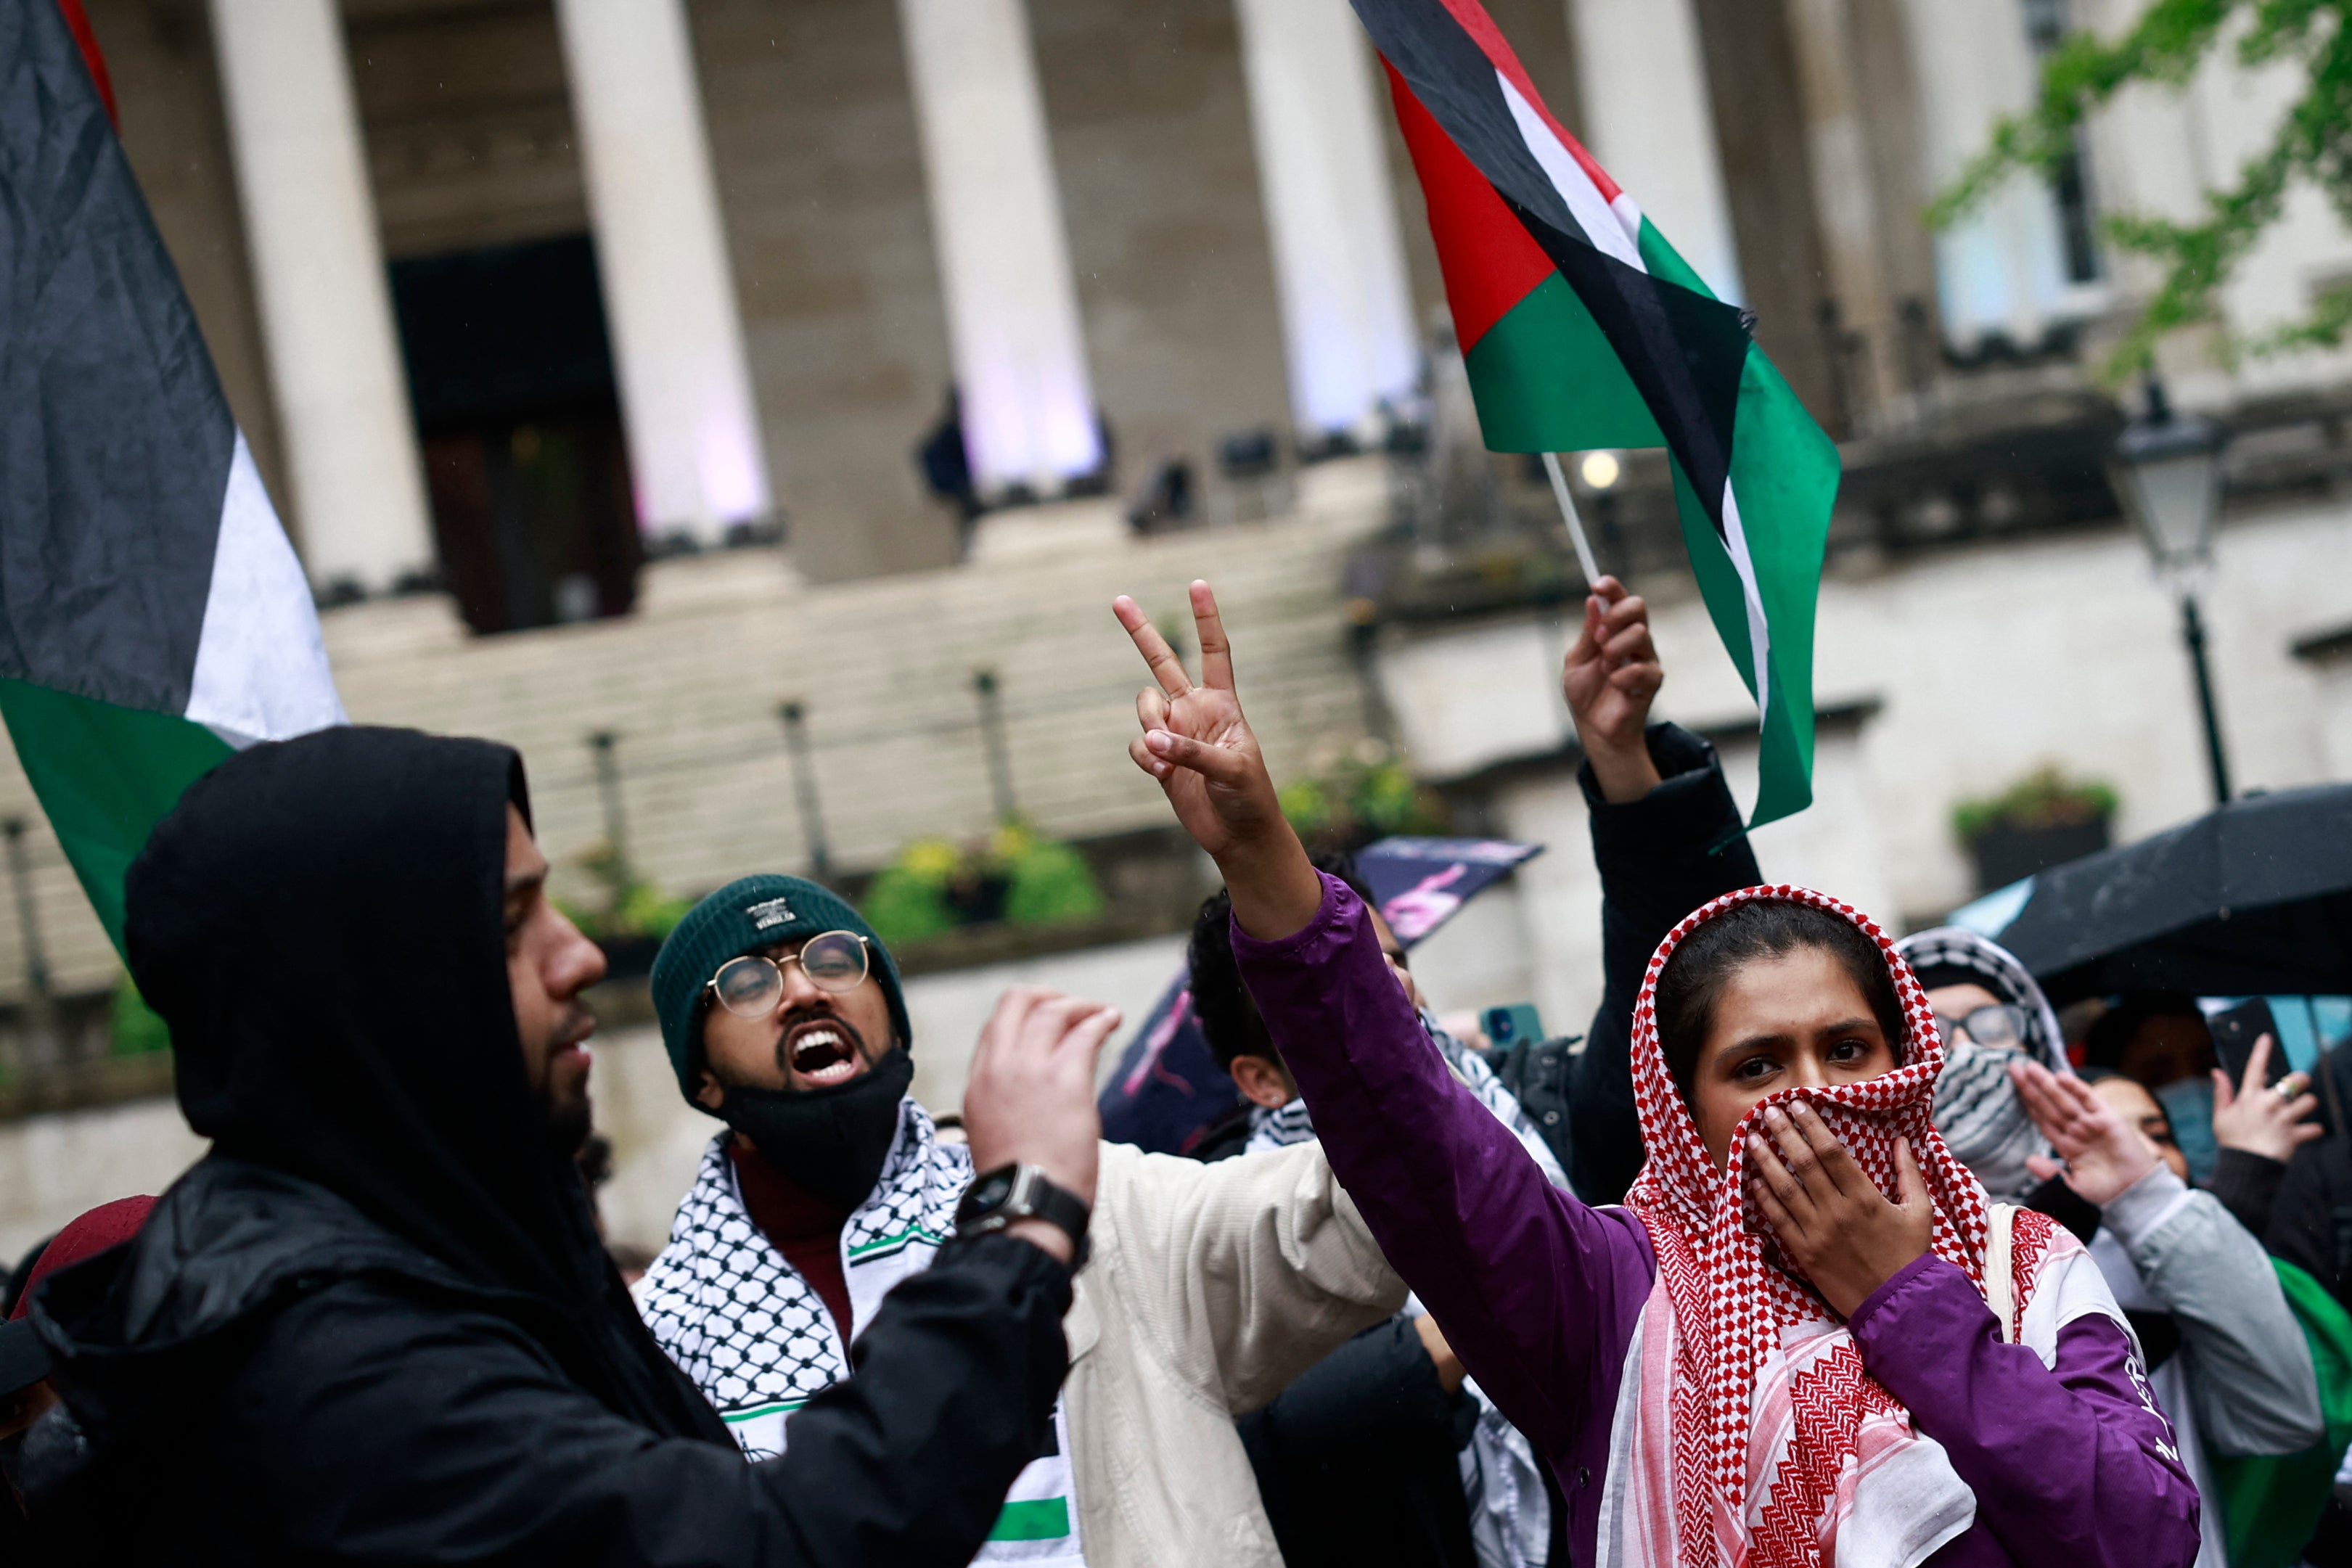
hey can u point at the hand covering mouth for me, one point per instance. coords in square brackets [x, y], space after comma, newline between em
[822, 1052]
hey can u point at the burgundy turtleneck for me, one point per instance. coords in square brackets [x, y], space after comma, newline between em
[801, 1226]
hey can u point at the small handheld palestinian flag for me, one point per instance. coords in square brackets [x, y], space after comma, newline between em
[1582, 329]
[152, 616]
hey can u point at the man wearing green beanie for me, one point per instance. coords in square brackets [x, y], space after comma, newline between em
[811, 1009]
[1208, 1287]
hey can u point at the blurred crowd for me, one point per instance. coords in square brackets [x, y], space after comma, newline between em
[1818, 1246]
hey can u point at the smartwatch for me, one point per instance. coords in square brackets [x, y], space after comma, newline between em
[998, 1198]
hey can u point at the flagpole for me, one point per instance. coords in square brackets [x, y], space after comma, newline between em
[1568, 515]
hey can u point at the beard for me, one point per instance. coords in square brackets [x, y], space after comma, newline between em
[566, 1114]
[567, 1119]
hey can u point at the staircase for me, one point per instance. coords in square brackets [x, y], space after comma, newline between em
[689, 687]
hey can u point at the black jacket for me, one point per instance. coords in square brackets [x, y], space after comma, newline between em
[1358, 1461]
[1660, 857]
[266, 1377]
[1541, 1076]
[2248, 1185]
[2311, 1215]
[374, 1324]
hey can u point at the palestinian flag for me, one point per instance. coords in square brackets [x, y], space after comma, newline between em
[1582, 329]
[152, 616]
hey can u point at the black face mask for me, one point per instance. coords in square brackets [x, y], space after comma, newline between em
[831, 1141]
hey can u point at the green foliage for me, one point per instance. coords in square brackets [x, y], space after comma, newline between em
[646, 911]
[1366, 795]
[2043, 799]
[138, 1030]
[1051, 885]
[2312, 142]
[1308, 807]
[908, 901]
[934, 886]
[631, 907]
[1387, 801]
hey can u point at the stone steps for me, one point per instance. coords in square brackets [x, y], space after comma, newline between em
[690, 686]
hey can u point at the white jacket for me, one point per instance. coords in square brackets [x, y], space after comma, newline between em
[1210, 1289]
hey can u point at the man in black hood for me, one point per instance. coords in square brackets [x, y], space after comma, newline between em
[374, 1322]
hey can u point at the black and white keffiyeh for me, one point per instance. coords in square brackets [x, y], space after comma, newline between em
[740, 1321]
[1279, 1126]
[758, 1342]
[1977, 1108]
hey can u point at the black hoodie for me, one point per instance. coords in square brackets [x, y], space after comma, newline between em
[374, 1322]
[1660, 857]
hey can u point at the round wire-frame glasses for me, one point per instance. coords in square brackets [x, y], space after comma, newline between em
[750, 986]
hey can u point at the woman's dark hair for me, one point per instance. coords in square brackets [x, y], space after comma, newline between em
[2115, 1029]
[1229, 1020]
[1762, 929]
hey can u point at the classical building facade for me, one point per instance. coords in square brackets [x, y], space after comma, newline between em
[719, 263]
[740, 250]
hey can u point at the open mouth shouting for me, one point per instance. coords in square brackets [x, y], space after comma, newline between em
[821, 1051]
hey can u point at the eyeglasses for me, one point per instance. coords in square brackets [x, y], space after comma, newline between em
[750, 986]
[2001, 1026]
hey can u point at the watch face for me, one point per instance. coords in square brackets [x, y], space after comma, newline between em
[990, 1190]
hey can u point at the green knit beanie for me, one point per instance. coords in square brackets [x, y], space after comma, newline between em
[749, 915]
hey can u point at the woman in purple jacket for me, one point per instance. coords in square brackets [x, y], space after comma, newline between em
[1761, 1359]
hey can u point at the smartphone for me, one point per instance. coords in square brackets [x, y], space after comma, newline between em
[2235, 1029]
[1510, 1025]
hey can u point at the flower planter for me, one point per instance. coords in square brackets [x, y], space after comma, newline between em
[978, 900]
[2005, 854]
[627, 957]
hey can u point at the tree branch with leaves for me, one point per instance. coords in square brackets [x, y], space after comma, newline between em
[2312, 142]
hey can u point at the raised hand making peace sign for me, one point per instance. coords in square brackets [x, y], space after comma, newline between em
[1196, 743]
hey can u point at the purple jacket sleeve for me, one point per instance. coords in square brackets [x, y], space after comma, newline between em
[1537, 1293]
[2074, 1467]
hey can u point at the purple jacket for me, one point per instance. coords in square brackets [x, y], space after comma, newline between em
[1539, 1294]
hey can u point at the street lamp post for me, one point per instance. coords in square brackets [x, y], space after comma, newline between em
[796, 746]
[608, 791]
[992, 738]
[2166, 470]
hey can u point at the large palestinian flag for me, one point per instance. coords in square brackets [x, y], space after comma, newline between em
[153, 615]
[1582, 329]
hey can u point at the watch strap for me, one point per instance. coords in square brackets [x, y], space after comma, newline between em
[1029, 1193]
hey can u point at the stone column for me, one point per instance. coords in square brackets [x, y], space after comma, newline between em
[1003, 254]
[694, 451]
[1650, 120]
[325, 305]
[1845, 198]
[1339, 260]
[1997, 270]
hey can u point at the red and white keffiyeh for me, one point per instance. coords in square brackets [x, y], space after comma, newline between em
[1750, 1432]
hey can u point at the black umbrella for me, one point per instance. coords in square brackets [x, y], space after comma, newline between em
[2253, 898]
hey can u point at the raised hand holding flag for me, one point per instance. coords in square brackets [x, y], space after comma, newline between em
[1582, 327]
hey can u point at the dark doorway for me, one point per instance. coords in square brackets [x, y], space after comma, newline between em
[512, 381]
